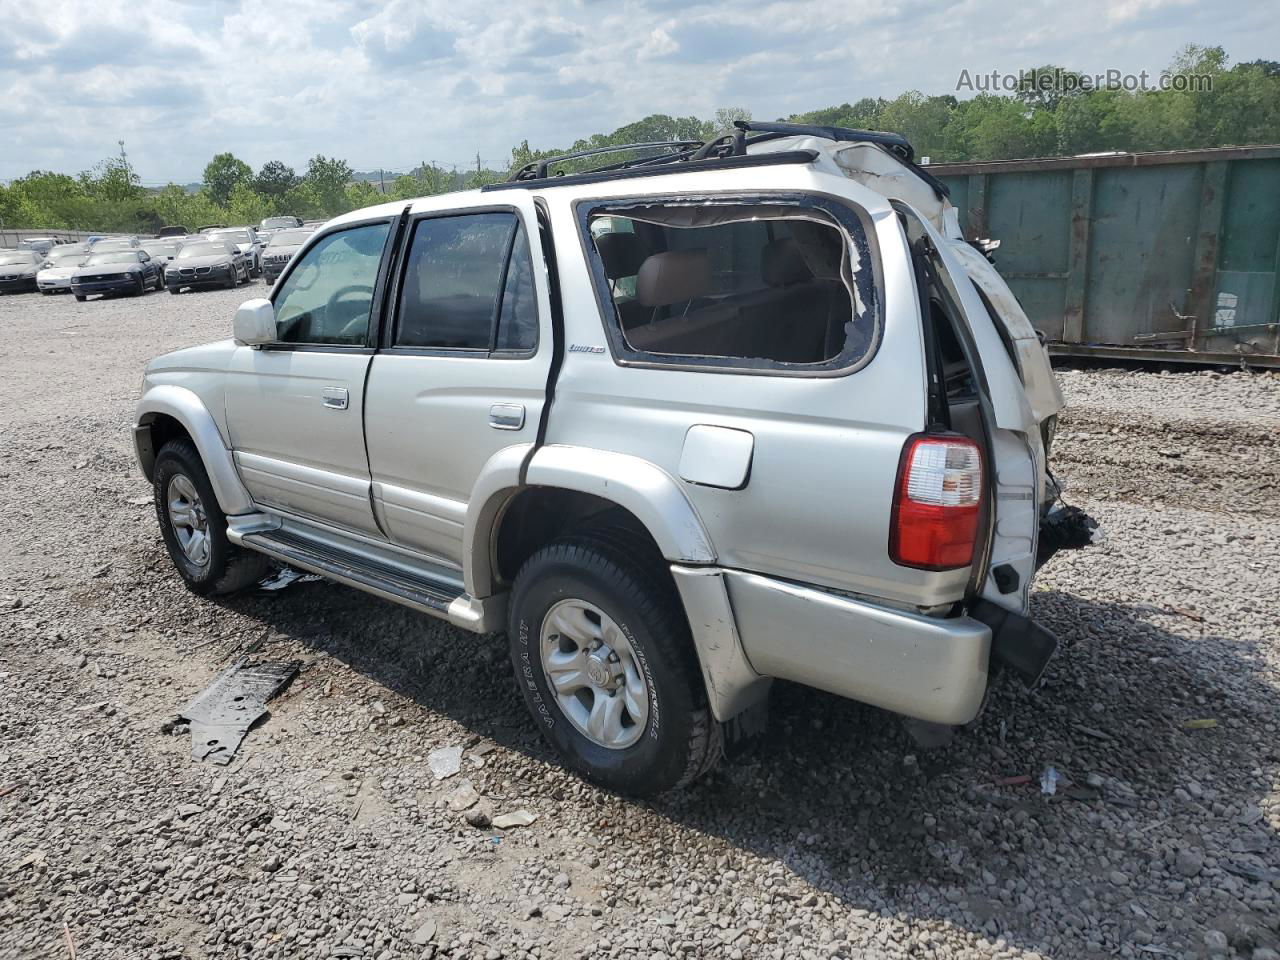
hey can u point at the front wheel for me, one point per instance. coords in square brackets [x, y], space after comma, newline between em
[603, 656]
[80, 297]
[194, 527]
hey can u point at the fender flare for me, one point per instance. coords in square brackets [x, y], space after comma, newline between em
[644, 489]
[187, 408]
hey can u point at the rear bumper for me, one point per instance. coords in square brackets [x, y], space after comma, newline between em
[930, 668]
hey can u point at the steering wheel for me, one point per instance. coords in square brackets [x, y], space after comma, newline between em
[332, 312]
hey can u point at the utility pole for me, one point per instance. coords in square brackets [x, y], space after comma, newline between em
[124, 161]
[382, 180]
[477, 161]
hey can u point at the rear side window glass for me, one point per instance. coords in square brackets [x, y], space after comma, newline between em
[518, 318]
[454, 281]
[752, 286]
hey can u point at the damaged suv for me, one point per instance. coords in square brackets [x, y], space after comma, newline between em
[720, 413]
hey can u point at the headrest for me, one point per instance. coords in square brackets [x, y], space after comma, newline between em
[621, 253]
[673, 277]
[782, 264]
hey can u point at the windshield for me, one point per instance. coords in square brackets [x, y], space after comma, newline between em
[235, 236]
[102, 245]
[12, 259]
[278, 223]
[115, 256]
[162, 248]
[66, 253]
[289, 238]
[192, 250]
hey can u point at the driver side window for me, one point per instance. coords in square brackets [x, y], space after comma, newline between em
[328, 295]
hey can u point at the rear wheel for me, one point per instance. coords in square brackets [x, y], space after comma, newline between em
[603, 656]
[194, 527]
[80, 297]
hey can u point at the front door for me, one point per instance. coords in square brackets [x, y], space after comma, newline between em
[462, 372]
[295, 407]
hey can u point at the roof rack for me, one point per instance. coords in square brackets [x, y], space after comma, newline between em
[537, 170]
[730, 145]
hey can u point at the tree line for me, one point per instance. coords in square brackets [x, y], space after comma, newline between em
[1050, 112]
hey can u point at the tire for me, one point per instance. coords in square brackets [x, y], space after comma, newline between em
[142, 287]
[174, 290]
[80, 297]
[221, 567]
[678, 740]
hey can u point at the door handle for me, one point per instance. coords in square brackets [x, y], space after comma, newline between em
[506, 416]
[335, 398]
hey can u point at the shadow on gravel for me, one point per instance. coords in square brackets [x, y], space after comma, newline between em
[837, 794]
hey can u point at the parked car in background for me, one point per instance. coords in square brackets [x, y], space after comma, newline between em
[210, 227]
[206, 262]
[41, 245]
[282, 246]
[18, 270]
[177, 230]
[246, 238]
[59, 264]
[270, 225]
[114, 243]
[162, 249]
[116, 271]
[314, 224]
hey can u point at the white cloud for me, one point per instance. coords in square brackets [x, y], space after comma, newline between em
[388, 85]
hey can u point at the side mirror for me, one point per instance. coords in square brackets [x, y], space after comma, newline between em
[255, 322]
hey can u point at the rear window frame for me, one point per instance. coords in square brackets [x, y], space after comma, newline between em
[852, 221]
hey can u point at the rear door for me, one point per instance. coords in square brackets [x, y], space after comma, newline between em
[295, 407]
[1012, 423]
[462, 371]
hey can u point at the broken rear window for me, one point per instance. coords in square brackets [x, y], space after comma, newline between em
[768, 286]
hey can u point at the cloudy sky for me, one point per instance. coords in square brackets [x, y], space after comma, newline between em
[390, 84]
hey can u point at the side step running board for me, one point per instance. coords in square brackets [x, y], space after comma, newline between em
[421, 593]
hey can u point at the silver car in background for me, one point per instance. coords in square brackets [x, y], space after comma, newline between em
[281, 248]
[59, 264]
[162, 249]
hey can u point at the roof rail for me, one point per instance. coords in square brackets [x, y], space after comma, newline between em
[537, 170]
[894, 143]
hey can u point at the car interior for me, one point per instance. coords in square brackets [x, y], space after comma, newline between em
[725, 283]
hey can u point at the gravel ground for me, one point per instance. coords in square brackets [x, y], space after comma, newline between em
[329, 836]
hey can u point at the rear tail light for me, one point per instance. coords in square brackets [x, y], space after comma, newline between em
[936, 503]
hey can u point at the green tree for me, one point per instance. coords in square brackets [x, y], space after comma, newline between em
[327, 179]
[275, 179]
[222, 174]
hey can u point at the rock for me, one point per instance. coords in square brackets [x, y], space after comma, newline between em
[480, 815]
[1264, 953]
[272, 865]
[1119, 878]
[1188, 862]
[1215, 941]
[516, 818]
[561, 881]
[444, 762]
[463, 797]
[425, 933]
[186, 810]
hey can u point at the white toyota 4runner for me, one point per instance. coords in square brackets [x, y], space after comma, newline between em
[679, 425]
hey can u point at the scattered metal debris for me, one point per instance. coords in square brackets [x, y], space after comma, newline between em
[221, 716]
[286, 577]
